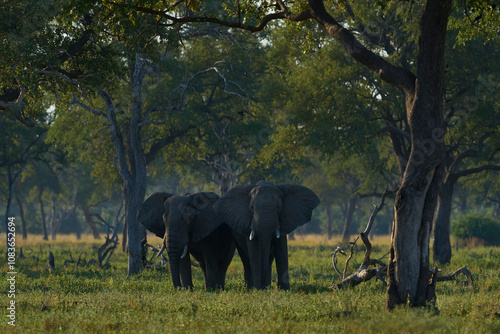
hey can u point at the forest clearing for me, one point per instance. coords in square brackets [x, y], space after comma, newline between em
[252, 140]
[89, 299]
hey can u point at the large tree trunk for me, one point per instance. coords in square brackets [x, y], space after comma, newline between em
[416, 198]
[415, 201]
[442, 244]
[346, 233]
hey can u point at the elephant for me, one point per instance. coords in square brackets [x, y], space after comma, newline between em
[151, 211]
[261, 216]
[189, 226]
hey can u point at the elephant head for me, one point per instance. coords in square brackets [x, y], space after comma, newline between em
[187, 219]
[151, 211]
[265, 213]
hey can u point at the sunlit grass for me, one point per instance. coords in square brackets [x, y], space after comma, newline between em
[89, 299]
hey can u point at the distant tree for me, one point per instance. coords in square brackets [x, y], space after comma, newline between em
[19, 146]
[472, 120]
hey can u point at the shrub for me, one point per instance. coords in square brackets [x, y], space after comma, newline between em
[477, 225]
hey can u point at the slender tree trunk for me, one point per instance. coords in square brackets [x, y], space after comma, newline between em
[135, 233]
[11, 181]
[346, 233]
[329, 215]
[496, 210]
[442, 243]
[23, 221]
[124, 236]
[42, 212]
[88, 218]
[134, 174]
[53, 220]
[12, 177]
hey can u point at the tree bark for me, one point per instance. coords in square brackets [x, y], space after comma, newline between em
[346, 233]
[441, 225]
[88, 218]
[132, 160]
[329, 214]
[53, 220]
[23, 221]
[416, 198]
[42, 211]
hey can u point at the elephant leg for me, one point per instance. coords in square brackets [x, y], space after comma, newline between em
[212, 273]
[242, 247]
[272, 253]
[281, 254]
[185, 269]
[227, 257]
[217, 260]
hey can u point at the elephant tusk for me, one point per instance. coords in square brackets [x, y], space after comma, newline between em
[184, 251]
[161, 250]
[278, 233]
[252, 235]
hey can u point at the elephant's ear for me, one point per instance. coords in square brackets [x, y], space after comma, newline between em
[206, 221]
[151, 211]
[233, 210]
[298, 203]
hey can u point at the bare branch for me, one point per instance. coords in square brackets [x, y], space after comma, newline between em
[88, 108]
[117, 137]
[376, 210]
[453, 277]
[334, 259]
[349, 258]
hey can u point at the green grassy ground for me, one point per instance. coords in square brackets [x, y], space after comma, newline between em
[88, 299]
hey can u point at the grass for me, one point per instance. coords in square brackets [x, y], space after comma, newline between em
[88, 299]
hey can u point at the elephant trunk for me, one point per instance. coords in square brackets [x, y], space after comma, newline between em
[264, 240]
[265, 262]
[175, 252]
[174, 263]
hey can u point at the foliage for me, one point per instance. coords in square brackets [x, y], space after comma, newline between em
[478, 225]
[475, 18]
[83, 299]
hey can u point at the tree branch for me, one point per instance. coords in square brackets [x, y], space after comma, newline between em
[334, 259]
[173, 20]
[390, 73]
[476, 170]
[157, 146]
[17, 104]
[117, 137]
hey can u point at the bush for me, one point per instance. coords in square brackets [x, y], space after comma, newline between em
[477, 225]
